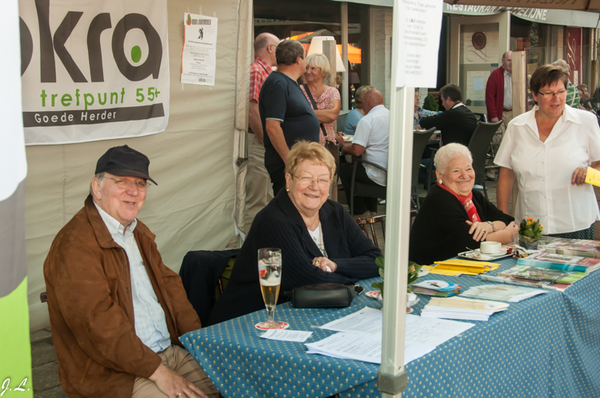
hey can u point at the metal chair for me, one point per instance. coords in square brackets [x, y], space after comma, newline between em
[479, 147]
[371, 222]
[365, 190]
[420, 140]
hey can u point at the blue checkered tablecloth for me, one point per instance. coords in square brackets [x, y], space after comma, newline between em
[548, 345]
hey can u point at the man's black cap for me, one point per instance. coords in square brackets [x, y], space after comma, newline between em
[124, 161]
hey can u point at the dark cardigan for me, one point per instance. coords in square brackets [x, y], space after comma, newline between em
[280, 225]
[440, 230]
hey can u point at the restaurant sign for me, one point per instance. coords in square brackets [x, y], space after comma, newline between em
[546, 16]
[93, 70]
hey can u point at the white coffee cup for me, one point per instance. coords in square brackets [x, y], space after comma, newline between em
[491, 247]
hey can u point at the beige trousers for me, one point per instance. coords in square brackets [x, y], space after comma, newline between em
[259, 190]
[179, 360]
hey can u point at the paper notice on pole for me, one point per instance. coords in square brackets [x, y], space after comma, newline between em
[198, 57]
[419, 29]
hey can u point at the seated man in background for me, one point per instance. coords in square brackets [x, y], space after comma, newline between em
[456, 124]
[116, 310]
[370, 141]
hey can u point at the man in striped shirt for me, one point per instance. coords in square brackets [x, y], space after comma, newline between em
[258, 183]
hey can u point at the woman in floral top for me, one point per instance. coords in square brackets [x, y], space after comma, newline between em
[327, 98]
[420, 112]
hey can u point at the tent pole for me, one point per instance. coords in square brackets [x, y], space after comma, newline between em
[391, 377]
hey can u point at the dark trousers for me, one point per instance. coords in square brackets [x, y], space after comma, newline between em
[278, 180]
[361, 204]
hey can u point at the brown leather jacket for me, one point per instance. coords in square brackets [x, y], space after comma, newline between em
[91, 308]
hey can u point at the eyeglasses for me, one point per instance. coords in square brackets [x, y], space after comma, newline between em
[550, 94]
[125, 183]
[305, 181]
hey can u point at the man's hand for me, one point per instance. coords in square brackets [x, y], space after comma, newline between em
[174, 385]
[495, 120]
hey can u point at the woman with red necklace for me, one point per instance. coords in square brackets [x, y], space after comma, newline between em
[453, 216]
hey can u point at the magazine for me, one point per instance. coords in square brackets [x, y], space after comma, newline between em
[437, 288]
[542, 274]
[573, 247]
[561, 262]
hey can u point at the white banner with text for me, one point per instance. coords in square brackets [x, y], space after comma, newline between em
[93, 70]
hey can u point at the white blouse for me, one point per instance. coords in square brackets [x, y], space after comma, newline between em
[543, 170]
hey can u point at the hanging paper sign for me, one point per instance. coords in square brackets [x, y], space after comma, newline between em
[198, 58]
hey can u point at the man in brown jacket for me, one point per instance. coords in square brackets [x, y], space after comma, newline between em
[116, 310]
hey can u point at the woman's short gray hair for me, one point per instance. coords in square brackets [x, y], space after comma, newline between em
[319, 61]
[448, 152]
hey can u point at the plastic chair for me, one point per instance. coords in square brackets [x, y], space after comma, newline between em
[420, 140]
[479, 147]
[365, 190]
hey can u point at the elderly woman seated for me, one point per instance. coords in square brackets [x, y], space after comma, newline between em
[453, 217]
[319, 241]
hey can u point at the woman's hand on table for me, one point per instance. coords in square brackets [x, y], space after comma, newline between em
[325, 264]
[512, 228]
[579, 176]
[479, 230]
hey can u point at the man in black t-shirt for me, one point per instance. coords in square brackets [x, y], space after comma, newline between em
[286, 114]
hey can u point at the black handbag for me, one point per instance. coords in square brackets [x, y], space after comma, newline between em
[322, 295]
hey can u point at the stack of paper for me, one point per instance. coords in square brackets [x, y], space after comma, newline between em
[462, 308]
[360, 335]
[461, 267]
[510, 293]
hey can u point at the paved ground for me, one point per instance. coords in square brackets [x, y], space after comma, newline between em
[45, 367]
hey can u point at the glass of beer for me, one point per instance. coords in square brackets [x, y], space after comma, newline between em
[269, 275]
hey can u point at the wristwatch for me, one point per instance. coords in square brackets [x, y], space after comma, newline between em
[493, 226]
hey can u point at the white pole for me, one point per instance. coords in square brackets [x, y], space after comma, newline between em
[391, 378]
[345, 79]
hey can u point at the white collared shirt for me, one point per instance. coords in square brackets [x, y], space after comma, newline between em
[372, 132]
[150, 322]
[543, 170]
[507, 90]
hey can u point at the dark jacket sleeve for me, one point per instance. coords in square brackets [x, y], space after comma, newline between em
[297, 253]
[440, 122]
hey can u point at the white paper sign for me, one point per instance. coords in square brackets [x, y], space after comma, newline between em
[198, 59]
[419, 41]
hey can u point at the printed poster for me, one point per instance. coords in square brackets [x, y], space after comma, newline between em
[93, 70]
[419, 41]
[198, 57]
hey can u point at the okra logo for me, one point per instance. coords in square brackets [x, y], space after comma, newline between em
[98, 64]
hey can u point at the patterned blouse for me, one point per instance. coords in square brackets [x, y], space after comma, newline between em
[325, 102]
[421, 113]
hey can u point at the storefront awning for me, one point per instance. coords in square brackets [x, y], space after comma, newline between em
[547, 16]
[551, 15]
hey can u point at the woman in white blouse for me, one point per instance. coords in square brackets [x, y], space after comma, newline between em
[548, 150]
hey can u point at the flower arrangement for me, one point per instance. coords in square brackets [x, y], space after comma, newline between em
[529, 231]
[413, 274]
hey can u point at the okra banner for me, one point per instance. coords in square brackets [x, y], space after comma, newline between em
[93, 70]
[15, 349]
